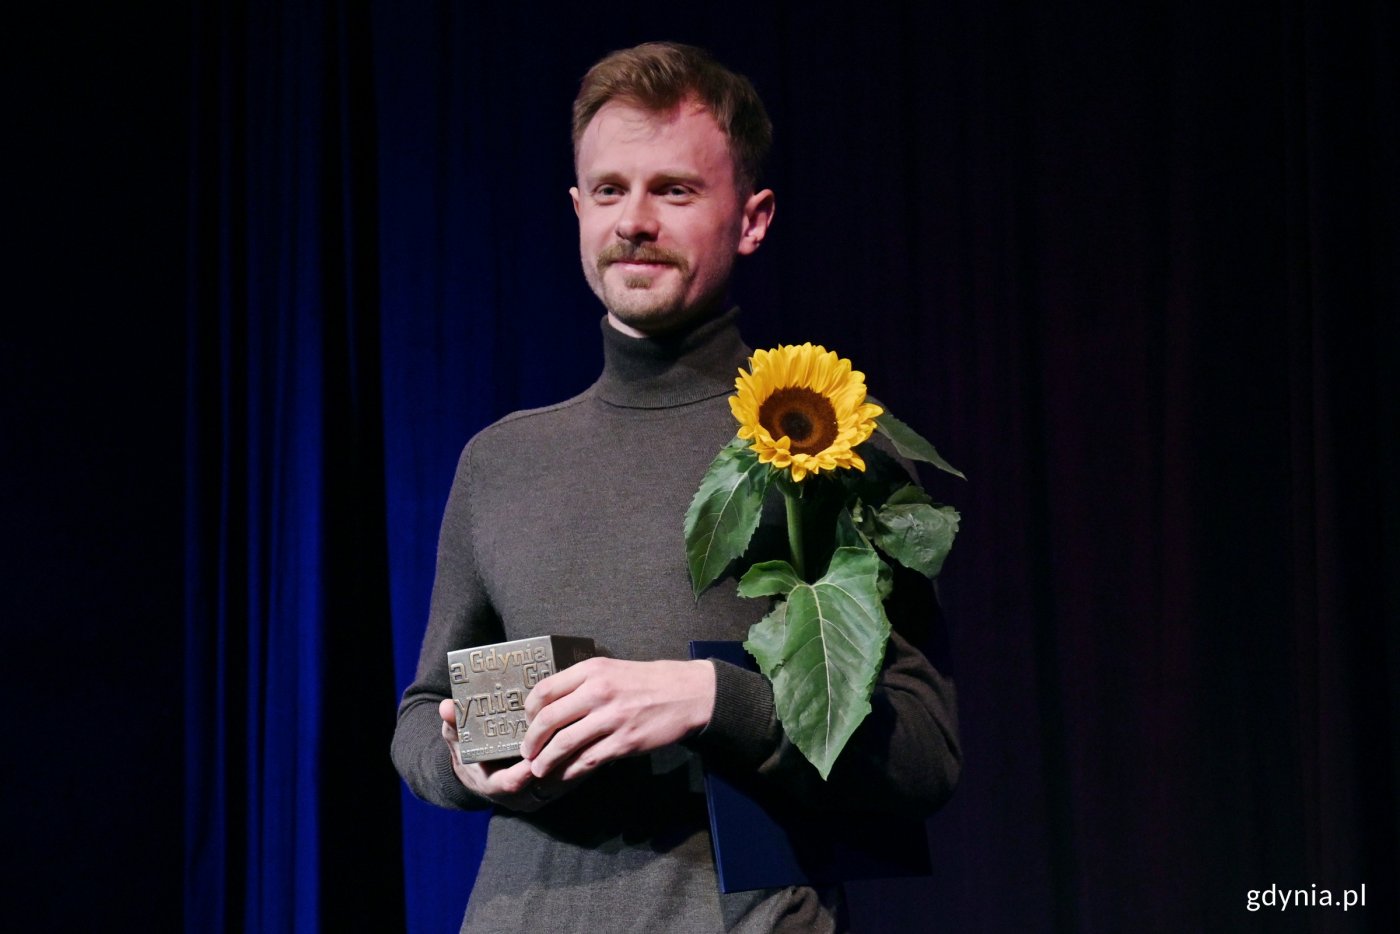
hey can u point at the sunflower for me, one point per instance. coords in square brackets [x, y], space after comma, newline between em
[804, 409]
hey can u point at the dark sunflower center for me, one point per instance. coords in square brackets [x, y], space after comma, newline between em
[796, 425]
[804, 416]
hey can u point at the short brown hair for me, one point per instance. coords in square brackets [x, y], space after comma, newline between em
[657, 76]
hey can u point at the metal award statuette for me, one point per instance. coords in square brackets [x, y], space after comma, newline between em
[489, 685]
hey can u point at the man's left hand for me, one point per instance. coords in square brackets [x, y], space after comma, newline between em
[604, 709]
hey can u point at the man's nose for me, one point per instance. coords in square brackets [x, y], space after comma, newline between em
[638, 221]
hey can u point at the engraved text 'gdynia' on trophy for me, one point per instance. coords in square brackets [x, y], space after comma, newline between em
[489, 686]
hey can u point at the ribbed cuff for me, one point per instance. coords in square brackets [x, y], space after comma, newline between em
[453, 791]
[743, 727]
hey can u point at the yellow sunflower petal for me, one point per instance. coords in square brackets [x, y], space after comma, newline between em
[804, 409]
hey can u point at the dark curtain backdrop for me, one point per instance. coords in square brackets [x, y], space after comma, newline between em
[1133, 269]
[91, 381]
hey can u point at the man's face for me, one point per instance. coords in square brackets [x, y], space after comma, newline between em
[660, 220]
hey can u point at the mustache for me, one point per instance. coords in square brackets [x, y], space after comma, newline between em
[638, 253]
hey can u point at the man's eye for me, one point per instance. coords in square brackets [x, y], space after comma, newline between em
[678, 191]
[607, 192]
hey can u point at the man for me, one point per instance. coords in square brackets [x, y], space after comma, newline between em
[567, 520]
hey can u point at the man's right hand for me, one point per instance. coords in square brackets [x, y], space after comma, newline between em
[508, 784]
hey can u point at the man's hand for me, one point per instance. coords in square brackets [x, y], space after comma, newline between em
[509, 784]
[604, 709]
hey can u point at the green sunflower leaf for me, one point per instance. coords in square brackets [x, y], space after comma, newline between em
[768, 579]
[848, 529]
[765, 642]
[833, 642]
[884, 584]
[911, 444]
[724, 512]
[909, 493]
[917, 535]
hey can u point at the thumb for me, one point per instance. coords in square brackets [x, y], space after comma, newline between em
[447, 709]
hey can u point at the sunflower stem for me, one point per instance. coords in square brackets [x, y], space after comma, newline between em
[792, 496]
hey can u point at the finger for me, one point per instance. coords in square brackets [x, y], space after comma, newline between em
[513, 786]
[490, 779]
[476, 779]
[556, 686]
[551, 718]
[491, 766]
[511, 780]
[588, 760]
[567, 743]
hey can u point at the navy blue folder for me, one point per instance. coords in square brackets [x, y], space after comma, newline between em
[762, 841]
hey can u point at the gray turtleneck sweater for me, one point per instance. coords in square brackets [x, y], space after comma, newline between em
[567, 520]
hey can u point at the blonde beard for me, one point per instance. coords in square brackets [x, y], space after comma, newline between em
[639, 313]
[640, 305]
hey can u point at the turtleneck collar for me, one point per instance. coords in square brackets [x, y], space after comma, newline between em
[660, 372]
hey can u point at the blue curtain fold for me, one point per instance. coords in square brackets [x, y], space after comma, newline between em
[290, 804]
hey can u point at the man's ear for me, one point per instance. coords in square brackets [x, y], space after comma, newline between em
[573, 195]
[758, 214]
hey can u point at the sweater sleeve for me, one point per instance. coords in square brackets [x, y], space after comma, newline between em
[903, 758]
[459, 614]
